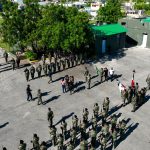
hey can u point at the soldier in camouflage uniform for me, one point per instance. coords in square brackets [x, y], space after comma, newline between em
[134, 102]
[45, 69]
[52, 131]
[83, 144]
[122, 128]
[73, 134]
[105, 129]
[75, 121]
[43, 146]
[96, 110]
[94, 122]
[22, 145]
[103, 141]
[143, 93]
[89, 81]
[32, 71]
[83, 126]
[106, 104]
[64, 128]
[39, 96]
[50, 57]
[101, 74]
[113, 122]
[27, 74]
[85, 115]
[124, 95]
[35, 142]
[86, 74]
[93, 134]
[148, 82]
[130, 94]
[50, 116]
[114, 137]
[70, 146]
[39, 70]
[60, 142]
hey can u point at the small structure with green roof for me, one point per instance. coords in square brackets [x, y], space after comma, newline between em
[109, 37]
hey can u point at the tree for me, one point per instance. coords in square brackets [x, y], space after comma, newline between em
[111, 12]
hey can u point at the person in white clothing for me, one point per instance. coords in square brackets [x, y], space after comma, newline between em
[111, 73]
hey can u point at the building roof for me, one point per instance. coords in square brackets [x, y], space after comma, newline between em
[145, 20]
[110, 29]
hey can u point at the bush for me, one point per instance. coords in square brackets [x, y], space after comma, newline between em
[31, 55]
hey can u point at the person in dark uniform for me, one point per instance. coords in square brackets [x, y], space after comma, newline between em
[5, 56]
[29, 94]
[27, 74]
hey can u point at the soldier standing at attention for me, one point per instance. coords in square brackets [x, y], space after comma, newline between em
[32, 71]
[73, 134]
[148, 82]
[60, 142]
[75, 121]
[88, 81]
[39, 95]
[13, 63]
[35, 142]
[5, 56]
[106, 105]
[52, 131]
[83, 144]
[22, 145]
[124, 95]
[96, 110]
[27, 74]
[93, 135]
[29, 94]
[50, 116]
[86, 74]
[43, 146]
[18, 61]
[45, 69]
[85, 115]
[134, 102]
[39, 69]
[64, 128]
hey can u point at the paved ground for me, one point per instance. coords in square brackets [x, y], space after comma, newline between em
[19, 119]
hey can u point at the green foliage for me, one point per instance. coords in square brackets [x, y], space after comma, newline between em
[52, 27]
[111, 12]
[30, 55]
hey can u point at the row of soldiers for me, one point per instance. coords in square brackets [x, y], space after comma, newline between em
[101, 128]
[58, 64]
[134, 95]
[109, 129]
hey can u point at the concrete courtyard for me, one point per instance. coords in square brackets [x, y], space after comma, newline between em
[19, 119]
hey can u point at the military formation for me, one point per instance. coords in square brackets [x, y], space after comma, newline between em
[54, 64]
[87, 133]
[134, 95]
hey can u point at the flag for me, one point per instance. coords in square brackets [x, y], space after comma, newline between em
[132, 83]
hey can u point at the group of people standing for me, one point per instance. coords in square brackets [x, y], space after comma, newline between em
[101, 129]
[133, 95]
[30, 97]
[67, 84]
[15, 63]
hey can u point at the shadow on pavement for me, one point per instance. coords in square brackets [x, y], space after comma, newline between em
[3, 125]
[51, 99]
[64, 118]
